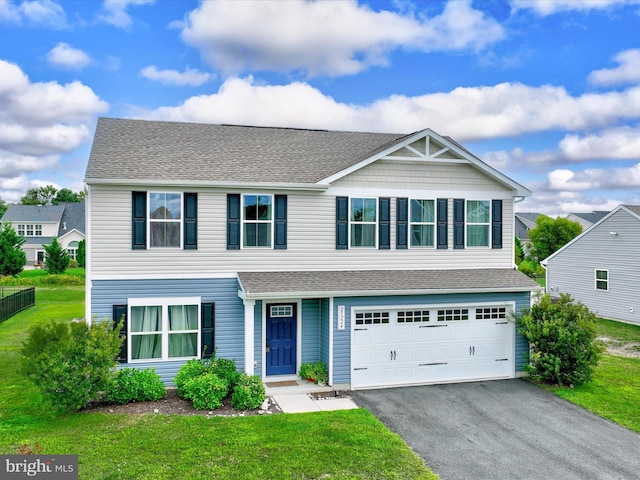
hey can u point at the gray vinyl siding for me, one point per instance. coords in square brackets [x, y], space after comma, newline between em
[572, 269]
[342, 342]
[310, 330]
[310, 239]
[229, 320]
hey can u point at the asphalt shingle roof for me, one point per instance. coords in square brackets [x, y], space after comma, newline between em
[125, 149]
[33, 213]
[72, 218]
[341, 282]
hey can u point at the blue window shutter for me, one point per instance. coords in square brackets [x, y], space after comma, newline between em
[139, 220]
[190, 221]
[458, 223]
[233, 221]
[402, 223]
[120, 313]
[342, 223]
[496, 223]
[280, 241]
[207, 329]
[384, 223]
[442, 223]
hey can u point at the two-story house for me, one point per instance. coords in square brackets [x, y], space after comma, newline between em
[39, 224]
[388, 257]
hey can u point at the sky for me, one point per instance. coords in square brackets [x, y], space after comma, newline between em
[547, 92]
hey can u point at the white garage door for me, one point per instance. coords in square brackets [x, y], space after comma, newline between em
[418, 345]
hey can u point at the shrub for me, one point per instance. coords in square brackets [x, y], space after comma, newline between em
[314, 372]
[134, 385]
[206, 391]
[70, 362]
[190, 370]
[56, 258]
[531, 269]
[562, 336]
[12, 257]
[249, 393]
[225, 369]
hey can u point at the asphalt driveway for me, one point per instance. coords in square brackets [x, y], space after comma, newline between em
[507, 429]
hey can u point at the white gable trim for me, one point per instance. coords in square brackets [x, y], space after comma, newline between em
[466, 157]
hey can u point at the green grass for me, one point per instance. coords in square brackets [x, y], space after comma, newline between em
[349, 444]
[71, 276]
[614, 392]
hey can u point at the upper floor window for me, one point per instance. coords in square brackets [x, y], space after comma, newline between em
[257, 220]
[363, 220]
[422, 223]
[602, 280]
[478, 223]
[29, 230]
[165, 219]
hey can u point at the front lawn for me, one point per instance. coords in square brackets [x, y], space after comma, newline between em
[614, 392]
[342, 444]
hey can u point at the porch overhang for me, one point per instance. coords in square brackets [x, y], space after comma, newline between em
[334, 283]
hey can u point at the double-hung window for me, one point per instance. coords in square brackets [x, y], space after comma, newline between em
[164, 329]
[422, 219]
[602, 280]
[363, 220]
[165, 220]
[29, 230]
[257, 220]
[478, 223]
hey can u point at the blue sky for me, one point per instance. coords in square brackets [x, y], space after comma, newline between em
[546, 91]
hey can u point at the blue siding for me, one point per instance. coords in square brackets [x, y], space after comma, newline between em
[229, 322]
[257, 337]
[310, 330]
[342, 341]
[325, 327]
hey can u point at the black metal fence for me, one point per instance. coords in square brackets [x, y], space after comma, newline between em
[15, 299]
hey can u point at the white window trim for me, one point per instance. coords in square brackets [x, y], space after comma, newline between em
[170, 220]
[433, 224]
[164, 303]
[467, 223]
[34, 228]
[271, 221]
[351, 222]
[596, 280]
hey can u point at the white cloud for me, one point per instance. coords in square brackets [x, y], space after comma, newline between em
[65, 56]
[616, 143]
[115, 11]
[189, 77]
[43, 118]
[326, 38]
[622, 178]
[628, 70]
[40, 13]
[469, 113]
[550, 7]
[13, 165]
[9, 12]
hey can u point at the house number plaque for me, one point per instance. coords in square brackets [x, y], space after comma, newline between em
[341, 319]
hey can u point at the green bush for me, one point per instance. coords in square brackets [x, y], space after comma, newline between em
[206, 391]
[531, 269]
[190, 370]
[12, 257]
[70, 362]
[134, 385]
[314, 372]
[249, 393]
[56, 258]
[225, 369]
[563, 339]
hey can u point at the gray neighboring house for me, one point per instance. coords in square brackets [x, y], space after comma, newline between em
[587, 219]
[600, 266]
[39, 224]
[523, 223]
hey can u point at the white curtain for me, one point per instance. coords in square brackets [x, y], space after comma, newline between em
[183, 318]
[143, 320]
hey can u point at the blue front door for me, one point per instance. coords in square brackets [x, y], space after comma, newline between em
[281, 339]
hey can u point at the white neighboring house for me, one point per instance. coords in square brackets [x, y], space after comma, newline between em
[600, 266]
[39, 224]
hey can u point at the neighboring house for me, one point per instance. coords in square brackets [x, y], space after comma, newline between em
[587, 219]
[388, 257]
[39, 224]
[600, 266]
[523, 223]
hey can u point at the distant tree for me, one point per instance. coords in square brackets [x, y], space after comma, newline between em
[66, 195]
[3, 207]
[50, 195]
[81, 254]
[519, 251]
[550, 235]
[12, 257]
[56, 259]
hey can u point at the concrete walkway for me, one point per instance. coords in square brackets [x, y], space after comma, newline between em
[302, 402]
